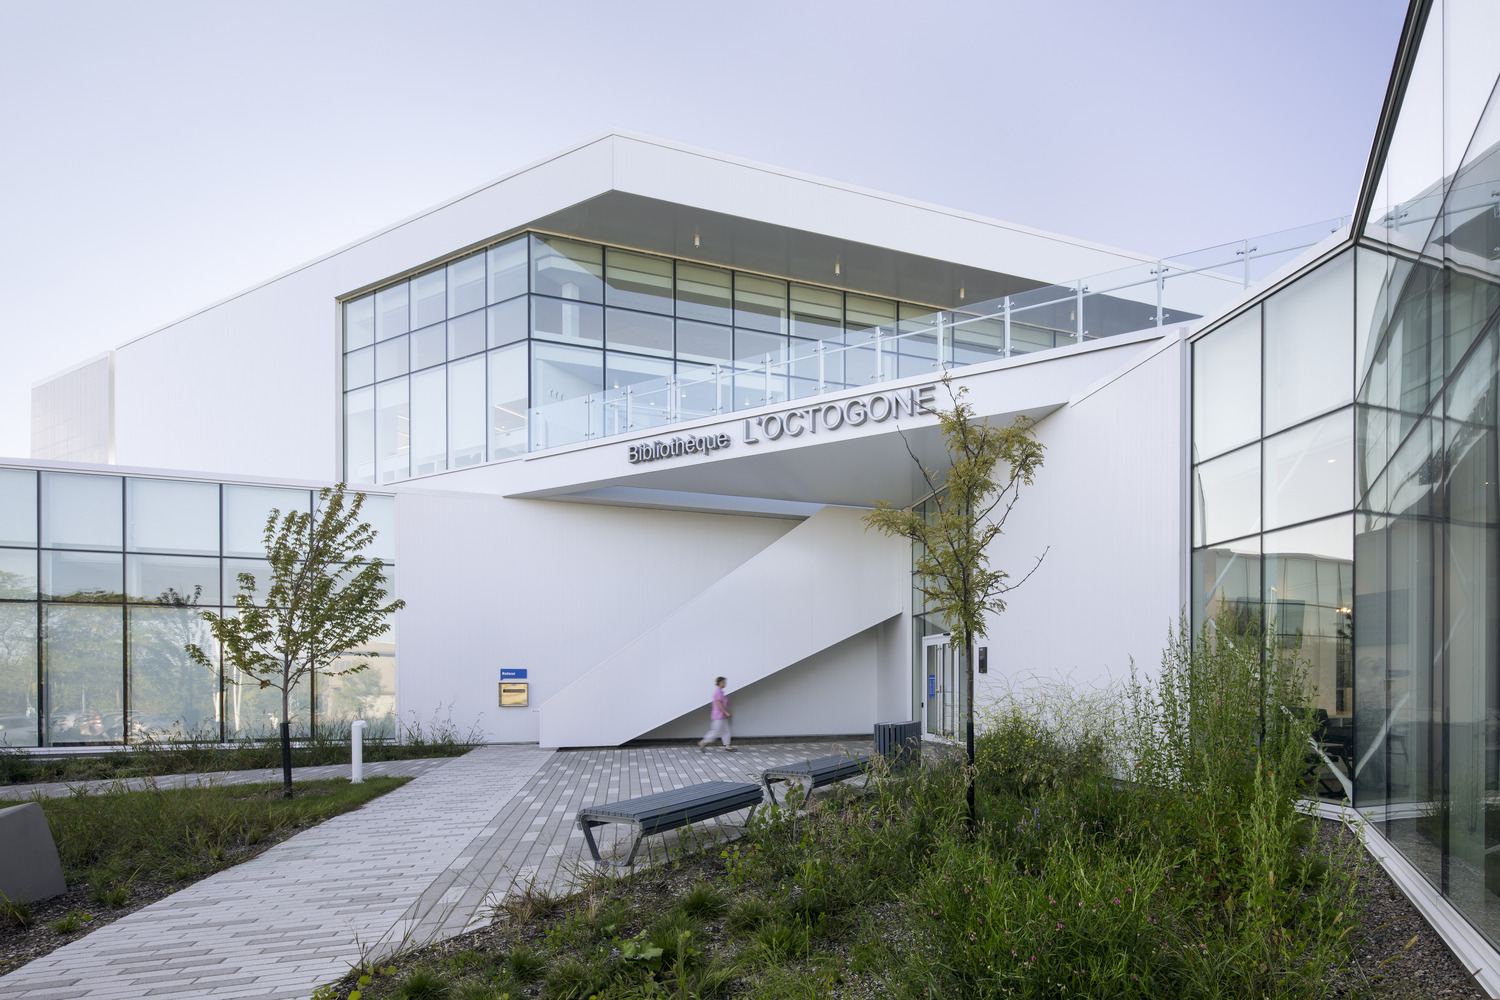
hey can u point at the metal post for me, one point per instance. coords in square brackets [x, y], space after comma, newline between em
[822, 368]
[1007, 326]
[357, 752]
[1078, 313]
[1161, 280]
[879, 356]
[718, 389]
[942, 362]
[671, 399]
[1245, 251]
[588, 418]
[629, 415]
[767, 397]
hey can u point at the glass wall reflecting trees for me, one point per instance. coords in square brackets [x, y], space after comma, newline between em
[1405, 643]
[442, 370]
[1273, 475]
[102, 581]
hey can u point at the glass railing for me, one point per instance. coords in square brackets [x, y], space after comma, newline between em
[1128, 300]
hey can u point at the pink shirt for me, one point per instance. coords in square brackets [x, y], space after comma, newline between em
[721, 704]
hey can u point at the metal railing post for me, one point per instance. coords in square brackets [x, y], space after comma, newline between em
[718, 389]
[942, 362]
[1078, 313]
[879, 357]
[629, 415]
[822, 367]
[1007, 326]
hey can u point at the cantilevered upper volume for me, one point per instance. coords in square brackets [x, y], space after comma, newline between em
[253, 373]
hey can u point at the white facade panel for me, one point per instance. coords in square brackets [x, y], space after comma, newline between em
[1106, 508]
[550, 588]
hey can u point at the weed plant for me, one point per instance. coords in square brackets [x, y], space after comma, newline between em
[1139, 843]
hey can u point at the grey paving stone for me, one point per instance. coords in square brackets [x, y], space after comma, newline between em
[423, 862]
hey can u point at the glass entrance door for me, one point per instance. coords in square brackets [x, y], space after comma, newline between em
[940, 687]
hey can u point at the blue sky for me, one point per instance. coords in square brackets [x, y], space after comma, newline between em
[161, 155]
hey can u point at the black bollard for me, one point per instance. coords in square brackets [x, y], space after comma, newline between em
[286, 759]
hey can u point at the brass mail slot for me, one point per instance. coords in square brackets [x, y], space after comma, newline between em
[512, 694]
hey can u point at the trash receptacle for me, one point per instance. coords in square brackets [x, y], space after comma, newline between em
[900, 743]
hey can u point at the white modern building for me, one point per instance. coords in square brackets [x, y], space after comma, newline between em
[620, 413]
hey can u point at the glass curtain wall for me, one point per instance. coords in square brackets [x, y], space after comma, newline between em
[102, 582]
[1368, 536]
[1273, 474]
[1427, 540]
[442, 369]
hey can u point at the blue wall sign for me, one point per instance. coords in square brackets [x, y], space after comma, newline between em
[931, 685]
[508, 674]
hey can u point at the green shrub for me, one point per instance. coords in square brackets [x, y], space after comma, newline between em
[424, 984]
[702, 900]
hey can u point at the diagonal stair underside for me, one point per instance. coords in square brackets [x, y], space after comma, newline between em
[825, 580]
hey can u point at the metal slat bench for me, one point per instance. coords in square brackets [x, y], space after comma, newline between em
[663, 811]
[817, 772]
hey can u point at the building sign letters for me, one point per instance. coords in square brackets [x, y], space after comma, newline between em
[875, 408]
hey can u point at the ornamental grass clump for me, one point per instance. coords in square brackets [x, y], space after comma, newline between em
[1149, 850]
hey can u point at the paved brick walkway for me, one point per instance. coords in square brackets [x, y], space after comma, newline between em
[421, 863]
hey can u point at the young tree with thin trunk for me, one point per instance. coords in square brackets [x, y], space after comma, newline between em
[323, 600]
[968, 510]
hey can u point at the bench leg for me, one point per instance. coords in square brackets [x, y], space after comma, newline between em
[640, 835]
[588, 836]
[771, 789]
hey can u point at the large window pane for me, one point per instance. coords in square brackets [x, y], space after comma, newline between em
[368, 694]
[1309, 333]
[359, 436]
[246, 509]
[391, 358]
[379, 512]
[509, 322]
[170, 694]
[17, 507]
[703, 294]
[642, 333]
[509, 399]
[1310, 470]
[392, 318]
[251, 711]
[466, 335]
[19, 724]
[260, 573]
[760, 303]
[165, 515]
[180, 581]
[359, 323]
[507, 267]
[83, 673]
[429, 299]
[466, 429]
[359, 368]
[646, 405]
[866, 315]
[429, 418]
[560, 373]
[81, 512]
[1226, 580]
[392, 430]
[1226, 386]
[817, 313]
[636, 281]
[1226, 497]
[429, 346]
[83, 577]
[703, 342]
[1309, 604]
[17, 574]
[567, 269]
[466, 285]
[555, 319]
[753, 347]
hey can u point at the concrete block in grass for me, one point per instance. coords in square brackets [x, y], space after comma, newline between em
[29, 866]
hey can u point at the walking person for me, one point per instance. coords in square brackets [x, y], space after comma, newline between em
[719, 714]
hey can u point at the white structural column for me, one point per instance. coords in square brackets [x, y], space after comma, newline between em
[822, 582]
